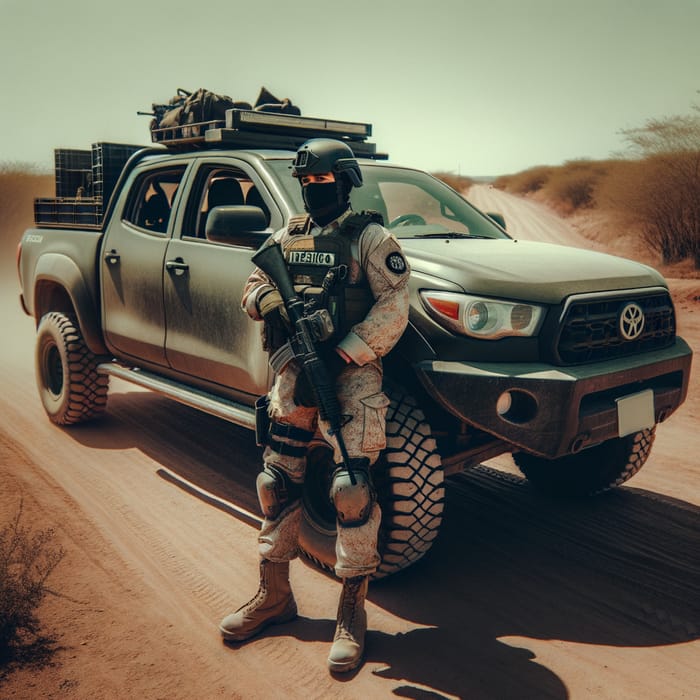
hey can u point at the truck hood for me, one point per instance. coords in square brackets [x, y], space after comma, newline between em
[525, 270]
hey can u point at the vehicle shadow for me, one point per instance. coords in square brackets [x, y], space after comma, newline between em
[620, 570]
[510, 566]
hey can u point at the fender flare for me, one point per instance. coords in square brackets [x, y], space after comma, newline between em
[61, 271]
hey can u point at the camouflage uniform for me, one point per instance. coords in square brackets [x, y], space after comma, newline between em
[378, 257]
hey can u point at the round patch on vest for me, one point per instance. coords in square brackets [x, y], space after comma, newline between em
[396, 263]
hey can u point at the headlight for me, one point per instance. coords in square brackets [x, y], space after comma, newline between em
[480, 317]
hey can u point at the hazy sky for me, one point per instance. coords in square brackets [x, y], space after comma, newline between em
[481, 87]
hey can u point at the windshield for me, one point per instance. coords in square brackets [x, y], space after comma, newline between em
[413, 203]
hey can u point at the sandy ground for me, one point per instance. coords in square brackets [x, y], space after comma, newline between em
[521, 597]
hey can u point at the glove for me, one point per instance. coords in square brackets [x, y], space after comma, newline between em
[277, 326]
[303, 393]
[271, 303]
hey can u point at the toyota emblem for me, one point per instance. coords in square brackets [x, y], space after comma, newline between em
[631, 321]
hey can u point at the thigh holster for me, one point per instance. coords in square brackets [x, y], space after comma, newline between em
[353, 501]
[262, 420]
[267, 432]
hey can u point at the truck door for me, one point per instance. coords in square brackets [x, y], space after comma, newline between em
[132, 264]
[209, 336]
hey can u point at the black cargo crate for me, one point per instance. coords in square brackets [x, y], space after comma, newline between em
[108, 161]
[68, 212]
[73, 172]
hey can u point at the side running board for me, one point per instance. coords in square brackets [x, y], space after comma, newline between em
[196, 398]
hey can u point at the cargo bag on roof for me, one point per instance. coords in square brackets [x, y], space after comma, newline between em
[186, 111]
[193, 108]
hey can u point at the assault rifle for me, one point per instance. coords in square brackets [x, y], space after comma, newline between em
[308, 330]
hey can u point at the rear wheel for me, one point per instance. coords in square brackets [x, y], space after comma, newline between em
[70, 388]
[590, 471]
[409, 481]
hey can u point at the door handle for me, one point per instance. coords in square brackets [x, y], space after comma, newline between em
[112, 258]
[178, 266]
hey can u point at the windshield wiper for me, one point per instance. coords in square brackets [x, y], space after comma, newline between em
[449, 234]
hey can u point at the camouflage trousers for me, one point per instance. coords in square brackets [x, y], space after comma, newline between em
[359, 391]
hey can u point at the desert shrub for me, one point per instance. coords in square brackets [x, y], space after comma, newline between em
[572, 186]
[19, 185]
[666, 189]
[460, 183]
[625, 194]
[502, 182]
[660, 195]
[26, 561]
[525, 182]
[672, 206]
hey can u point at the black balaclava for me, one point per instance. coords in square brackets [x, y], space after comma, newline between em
[326, 201]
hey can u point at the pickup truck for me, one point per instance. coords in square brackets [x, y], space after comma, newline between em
[565, 358]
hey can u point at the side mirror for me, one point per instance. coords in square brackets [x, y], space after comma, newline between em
[498, 218]
[237, 225]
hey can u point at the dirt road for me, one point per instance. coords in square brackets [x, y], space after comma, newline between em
[521, 596]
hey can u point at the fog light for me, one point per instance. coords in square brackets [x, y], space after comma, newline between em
[504, 403]
[517, 406]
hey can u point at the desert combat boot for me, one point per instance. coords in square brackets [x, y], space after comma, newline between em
[272, 604]
[349, 641]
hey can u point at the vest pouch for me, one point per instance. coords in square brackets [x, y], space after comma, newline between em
[313, 298]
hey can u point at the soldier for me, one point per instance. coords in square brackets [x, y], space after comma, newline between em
[351, 265]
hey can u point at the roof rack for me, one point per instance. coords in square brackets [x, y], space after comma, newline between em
[245, 128]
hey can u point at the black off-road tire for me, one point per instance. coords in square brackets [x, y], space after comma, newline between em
[409, 480]
[590, 471]
[70, 388]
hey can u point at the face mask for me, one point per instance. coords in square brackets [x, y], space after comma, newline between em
[323, 202]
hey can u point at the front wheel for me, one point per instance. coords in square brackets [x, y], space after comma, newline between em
[410, 488]
[70, 388]
[590, 471]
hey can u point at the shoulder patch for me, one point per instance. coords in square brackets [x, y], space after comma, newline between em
[299, 225]
[396, 263]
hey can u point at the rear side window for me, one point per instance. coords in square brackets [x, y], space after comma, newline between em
[151, 199]
[219, 186]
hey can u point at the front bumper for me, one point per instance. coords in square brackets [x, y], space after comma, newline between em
[555, 411]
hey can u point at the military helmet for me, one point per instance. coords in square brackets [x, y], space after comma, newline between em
[327, 156]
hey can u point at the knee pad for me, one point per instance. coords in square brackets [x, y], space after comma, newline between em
[275, 491]
[353, 502]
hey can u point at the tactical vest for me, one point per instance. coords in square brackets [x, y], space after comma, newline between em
[320, 268]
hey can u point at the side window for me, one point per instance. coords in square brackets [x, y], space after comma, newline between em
[217, 186]
[151, 199]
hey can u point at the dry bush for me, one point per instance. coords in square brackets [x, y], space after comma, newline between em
[525, 182]
[19, 185]
[572, 186]
[26, 561]
[668, 193]
[460, 183]
[661, 195]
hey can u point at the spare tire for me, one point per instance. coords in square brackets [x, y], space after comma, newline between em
[409, 480]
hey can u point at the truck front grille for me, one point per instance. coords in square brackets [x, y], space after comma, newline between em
[592, 331]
